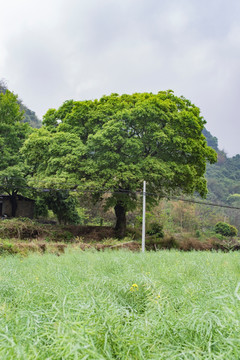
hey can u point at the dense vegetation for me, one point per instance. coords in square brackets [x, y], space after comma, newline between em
[13, 132]
[119, 141]
[83, 143]
[120, 305]
[224, 176]
[117, 304]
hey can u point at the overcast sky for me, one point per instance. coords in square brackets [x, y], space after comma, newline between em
[55, 50]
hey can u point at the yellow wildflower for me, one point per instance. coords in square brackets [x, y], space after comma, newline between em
[134, 287]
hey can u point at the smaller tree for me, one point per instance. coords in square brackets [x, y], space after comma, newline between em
[225, 229]
[13, 132]
[13, 180]
[63, 206]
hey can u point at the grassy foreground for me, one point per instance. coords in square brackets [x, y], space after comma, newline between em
[120, 305]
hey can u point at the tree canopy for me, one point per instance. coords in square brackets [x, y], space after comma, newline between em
[119, 141]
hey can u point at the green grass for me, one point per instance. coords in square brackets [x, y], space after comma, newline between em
[80, 306]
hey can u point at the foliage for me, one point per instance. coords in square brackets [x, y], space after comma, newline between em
[26, 229]
[40, 208]
[223, 177]
[80, 305]
[63, 205]
[225, 229]
[119, 141]
[233, 231]
[29, 116]
[156, 229]
[13, 132]
[223, 180]
[66, 154]
[178, 216]
[212, 141]
[7, 248]
[234, 199]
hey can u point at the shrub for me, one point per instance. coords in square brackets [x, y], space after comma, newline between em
[156, 229]
[63, 206]
[233, 231]
[225, 229]
[162, 243]
[198, 233]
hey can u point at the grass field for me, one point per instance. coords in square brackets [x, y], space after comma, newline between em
[120, 305]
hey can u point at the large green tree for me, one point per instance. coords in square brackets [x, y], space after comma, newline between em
[13, 133]
[119, 141]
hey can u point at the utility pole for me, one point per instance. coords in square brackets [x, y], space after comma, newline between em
[143, 216]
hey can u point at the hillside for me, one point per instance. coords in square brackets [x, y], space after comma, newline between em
[224, 176]
[29, 115]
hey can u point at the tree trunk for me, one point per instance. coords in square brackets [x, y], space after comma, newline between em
[13, 199]
[121, 223]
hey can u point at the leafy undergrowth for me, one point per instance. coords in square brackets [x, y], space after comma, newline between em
[30, 236]
[186, 242]
[24, 229]
[120, 305]
[13, 247]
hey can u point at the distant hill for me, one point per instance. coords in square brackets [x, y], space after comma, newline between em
[223, 177]
[211, 140]
[29, 115]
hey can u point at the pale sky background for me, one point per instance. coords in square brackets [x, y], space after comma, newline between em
[55, 50]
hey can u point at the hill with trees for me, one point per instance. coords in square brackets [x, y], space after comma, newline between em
[223, 177]
[29, 116]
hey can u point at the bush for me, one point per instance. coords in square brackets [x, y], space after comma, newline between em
[198, 233]
[156, 229]
[233, 231]
[162, 243]
[225, 229]
[63, 206]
